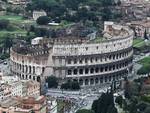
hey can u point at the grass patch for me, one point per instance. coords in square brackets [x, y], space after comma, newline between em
[3, 33]
[98, 40]
[146, 66]
[144, 61]
[16, 19]
[60, 105]
[12, 18]
[138, 43]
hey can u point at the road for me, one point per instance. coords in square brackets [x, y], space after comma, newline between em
[4, 67]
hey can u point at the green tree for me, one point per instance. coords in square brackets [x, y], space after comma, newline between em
[4, 24]
[85, 111]
[95, 105]
[112, 109]
[7, 43]
[119, 100]
[104, 103]
[70, 85]
[106, 14]
[145, 35]
[147, 110]
[43, 20]
[52, 82]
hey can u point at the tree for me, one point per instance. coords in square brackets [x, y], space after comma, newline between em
[41, 32]
[85, 111]
[112, 109]
[30, 36]
[147, 110]
[73, 4]
[145, 35]
[52, 82]
[118, 2]
[106, 14]
[70, 85]
[75, 85]
[144, 70]
[7, 43]
[104, 104]
[4, 24]
[94, 105]
[119, 100]
[43, 20]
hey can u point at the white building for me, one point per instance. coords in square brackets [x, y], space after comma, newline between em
[36, 40]
[37, 14]
[17, 88]
[90, 62]
[52, 106]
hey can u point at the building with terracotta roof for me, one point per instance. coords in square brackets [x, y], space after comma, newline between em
[140, 27]
[24, 105]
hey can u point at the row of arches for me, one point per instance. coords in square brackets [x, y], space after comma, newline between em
[100, 79]
[98, 69]
[96, 59]
[25, 68]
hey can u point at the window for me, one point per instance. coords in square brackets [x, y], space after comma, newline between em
[109, 57]
[91, 60]
[106, 68]
[86, 60]
[80, 61]
[81, 71]
[75, 71]
[86, 71]
[96, 59]
[86, 48]
[96, 70]
[102, 69]
[69, 61]
[75, 61]
[69, 72]
[113, 57]
[91, 70]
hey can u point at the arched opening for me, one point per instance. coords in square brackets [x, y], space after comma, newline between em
[29, 69]
[69, 72]
[96, 70]
[26, 68]
[96, 80]
[33, 77]
[38, 79]
[43, 69]
[91, 81]
[30, 77]
[86, 82]
[101, 80]
[23, 68]
[109, 78]
[81, 82]
[105, 78]
[22, 76]
[33, 69]
[81, 71]
[75, 80]
[91, 70]
[86, 71]
[75, 71]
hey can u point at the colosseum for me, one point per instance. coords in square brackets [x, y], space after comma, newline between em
[90, 61]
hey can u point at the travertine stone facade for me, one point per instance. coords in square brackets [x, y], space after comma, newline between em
[90, 62]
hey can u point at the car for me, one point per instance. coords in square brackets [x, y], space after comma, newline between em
[5, 63]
